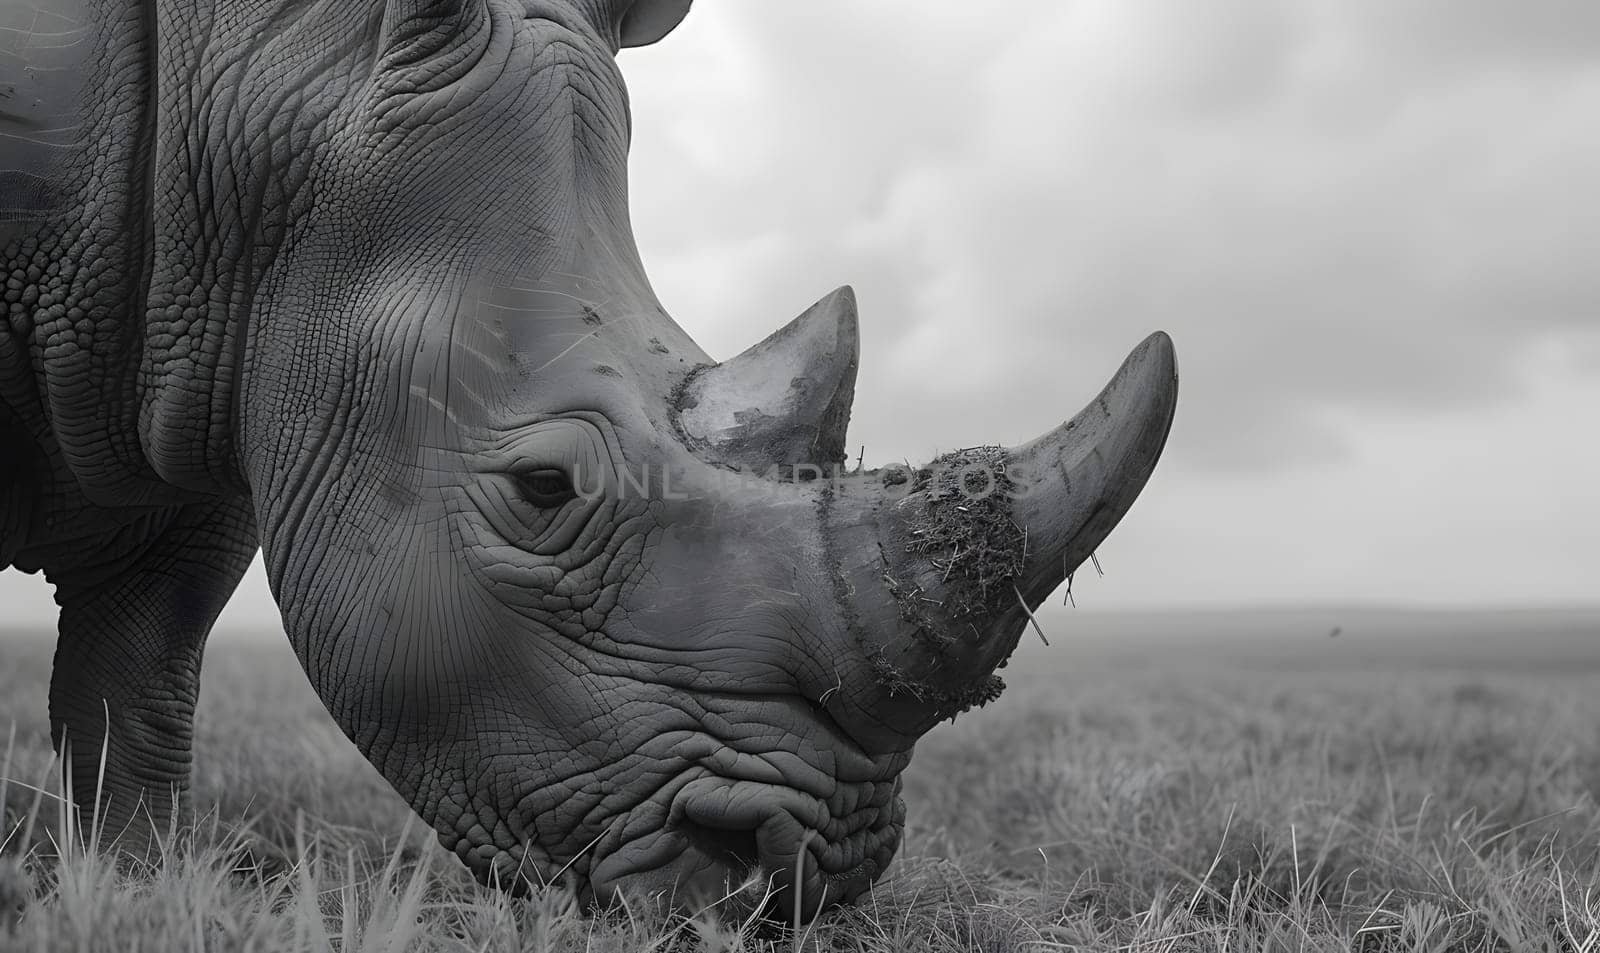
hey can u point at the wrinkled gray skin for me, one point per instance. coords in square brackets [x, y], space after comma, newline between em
[355, 281]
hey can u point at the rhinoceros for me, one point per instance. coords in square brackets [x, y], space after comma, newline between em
[354, 281]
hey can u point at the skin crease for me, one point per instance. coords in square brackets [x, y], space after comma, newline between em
[363, 287]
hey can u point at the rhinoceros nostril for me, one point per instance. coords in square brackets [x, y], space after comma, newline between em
[737, 849]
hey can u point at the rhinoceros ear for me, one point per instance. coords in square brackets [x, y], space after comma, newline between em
[646, 21]
[784, 401]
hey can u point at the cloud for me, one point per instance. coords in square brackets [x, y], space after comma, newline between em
[1351, 207]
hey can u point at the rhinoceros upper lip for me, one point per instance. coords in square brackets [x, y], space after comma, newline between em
[836, 845]
[856, 833]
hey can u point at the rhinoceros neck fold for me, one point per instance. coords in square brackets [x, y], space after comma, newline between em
[178, 147]
[77, 157]
[231, 175]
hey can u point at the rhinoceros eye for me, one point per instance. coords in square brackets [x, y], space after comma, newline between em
[546, 488]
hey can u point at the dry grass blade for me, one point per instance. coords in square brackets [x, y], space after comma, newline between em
[1031, 617]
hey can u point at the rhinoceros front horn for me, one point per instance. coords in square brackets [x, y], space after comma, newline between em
[786, 400]
[1083, 476]
[979, 538]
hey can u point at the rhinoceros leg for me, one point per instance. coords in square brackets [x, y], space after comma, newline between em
[127, 666]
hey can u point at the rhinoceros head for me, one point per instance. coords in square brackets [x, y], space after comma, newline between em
[599, 607]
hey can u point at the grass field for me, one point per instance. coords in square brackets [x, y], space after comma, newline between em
[1159, 782]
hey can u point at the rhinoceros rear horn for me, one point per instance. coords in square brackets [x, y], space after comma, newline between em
[646, 21]
[784, 401]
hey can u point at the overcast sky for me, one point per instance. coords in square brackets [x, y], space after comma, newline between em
[1371, 226]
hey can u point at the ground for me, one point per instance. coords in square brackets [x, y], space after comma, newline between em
[1315, 783]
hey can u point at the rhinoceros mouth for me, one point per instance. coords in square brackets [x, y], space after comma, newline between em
[834, 848]
[721, 834]
[813, 811]
[782, 816]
